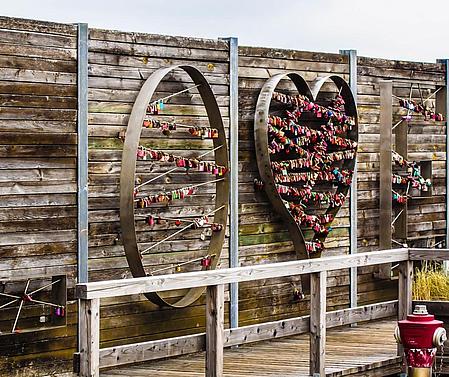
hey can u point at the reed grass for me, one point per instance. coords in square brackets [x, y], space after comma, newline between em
[431, 283]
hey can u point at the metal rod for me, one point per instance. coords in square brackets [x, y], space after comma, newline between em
[386, 114]
[193, 186]
[446, 113]
[234, 177]
[8, 295]
[45, 286]
[8, 303]
[399, 214]
[183, 219]
[397, 124]
[174, 94]
[20, 306]
[437, 243]
[174, 234]
[177, 124]
[352, 55]
[432, 94]
[166, 239]
[173, 265]
[176, 168]
[427, 98]
[46, 303]
[82, 148]
[408, 188]
[398, 243]
[17, 317]
[157, 177]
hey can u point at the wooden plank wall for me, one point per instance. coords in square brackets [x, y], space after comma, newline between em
[426, 141]
[264, 239]
[118, 65]
[38, 165]
[38, 111]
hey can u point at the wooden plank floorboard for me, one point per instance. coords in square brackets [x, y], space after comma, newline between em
[365, 350]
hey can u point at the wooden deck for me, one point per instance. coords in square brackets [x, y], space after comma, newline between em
[368, 349]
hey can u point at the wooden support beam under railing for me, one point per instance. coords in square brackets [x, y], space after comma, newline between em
[318, 324]
[214, 330]
[89, 338]
[404, 293]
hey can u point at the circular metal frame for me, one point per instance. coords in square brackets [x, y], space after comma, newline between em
[263, 155]
[128, 171]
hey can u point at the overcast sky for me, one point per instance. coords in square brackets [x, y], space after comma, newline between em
[408, 30]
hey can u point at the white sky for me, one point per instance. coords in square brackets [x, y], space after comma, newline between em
[408, 30]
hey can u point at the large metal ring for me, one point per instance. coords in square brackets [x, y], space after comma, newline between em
[128, 170]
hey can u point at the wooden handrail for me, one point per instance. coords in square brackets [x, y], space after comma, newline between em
[125, 287]
[91, 293]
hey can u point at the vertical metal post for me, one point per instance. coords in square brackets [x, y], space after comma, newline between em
[386, 120]
[352, 54]
[234, 174]
[82, 157]
[82, 153]
[442, 106]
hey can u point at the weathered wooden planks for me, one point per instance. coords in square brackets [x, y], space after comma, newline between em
[38, 159]
[38, 182]
[368, 350]
[118, 65]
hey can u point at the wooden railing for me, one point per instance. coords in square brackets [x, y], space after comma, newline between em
[92, 358]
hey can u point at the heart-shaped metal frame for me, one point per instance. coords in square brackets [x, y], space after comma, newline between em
[128, 170]
[263, 155]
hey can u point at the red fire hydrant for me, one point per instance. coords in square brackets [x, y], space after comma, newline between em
[420, 334]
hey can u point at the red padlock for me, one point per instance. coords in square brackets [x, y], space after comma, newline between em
[206, 261]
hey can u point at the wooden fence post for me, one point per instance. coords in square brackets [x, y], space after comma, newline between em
[214, 330]
[90, 338]
[318, 323]
[404, 292]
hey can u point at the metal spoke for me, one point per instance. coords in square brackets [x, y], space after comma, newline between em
[176, 233]
[27, 286]
[8, 295]
[174, 94]
[8, 303]
[176, 168]
[173, 265]
[17, 316]
[188, 187]
[45, 303]
[45, 286]
[166, 239]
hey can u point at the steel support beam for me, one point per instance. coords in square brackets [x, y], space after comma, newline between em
[385, 215]
[443, 107]
[352, 55]
[234, 166]
[82, 153]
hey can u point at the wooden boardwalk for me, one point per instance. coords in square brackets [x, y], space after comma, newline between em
[368, 349]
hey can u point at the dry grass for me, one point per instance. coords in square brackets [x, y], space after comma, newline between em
[431, 283]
